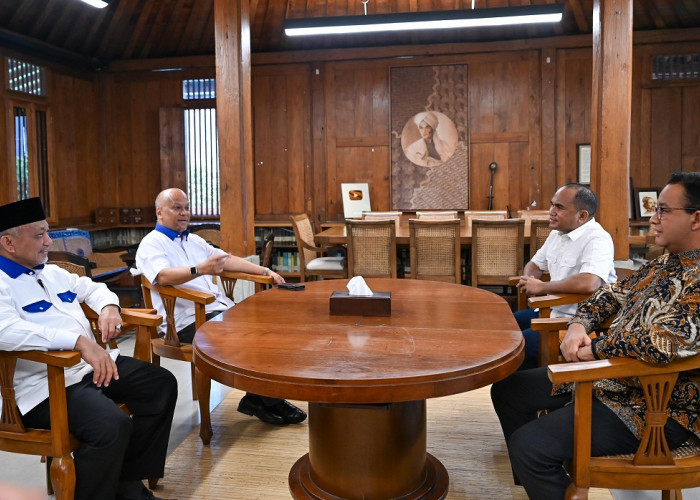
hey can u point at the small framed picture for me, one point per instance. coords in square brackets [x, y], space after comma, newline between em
[355, 199]
[583, 161]
[646, 200]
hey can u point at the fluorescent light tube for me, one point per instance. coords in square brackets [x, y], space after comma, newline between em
[424, 20]
[96, 3]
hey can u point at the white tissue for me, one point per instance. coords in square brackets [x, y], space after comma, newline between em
[357, 286]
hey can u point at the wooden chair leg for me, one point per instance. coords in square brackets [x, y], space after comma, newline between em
[49, 486]
[63, 477]
[204, 389]
[575, 493]
[194, 382]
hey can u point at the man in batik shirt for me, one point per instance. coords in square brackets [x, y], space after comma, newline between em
[657, 320]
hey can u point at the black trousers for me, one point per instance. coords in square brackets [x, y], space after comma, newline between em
[117, 447]
[538, 447]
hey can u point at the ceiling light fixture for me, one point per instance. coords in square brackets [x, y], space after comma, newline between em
[96, 3]
[501, 16]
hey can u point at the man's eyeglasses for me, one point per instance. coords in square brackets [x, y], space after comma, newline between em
[661, 211]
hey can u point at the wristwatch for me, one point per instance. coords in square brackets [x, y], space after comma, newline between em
[193, 270]
[266, 271]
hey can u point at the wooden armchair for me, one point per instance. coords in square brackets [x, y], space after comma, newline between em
[311, 261]
[170, 345]
[435, 250]
[212, 236]
[653, 466]
[371, 248]
[56, 443]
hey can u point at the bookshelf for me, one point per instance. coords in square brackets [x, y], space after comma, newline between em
[285, 257]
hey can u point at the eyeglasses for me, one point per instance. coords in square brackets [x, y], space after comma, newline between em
[661, 211]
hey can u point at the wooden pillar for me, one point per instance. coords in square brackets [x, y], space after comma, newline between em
[611, 127]
[235, 125]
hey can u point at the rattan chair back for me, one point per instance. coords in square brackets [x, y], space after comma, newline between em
[435, 250]
[395, 216]
[470, 215]
[71, 262]
[497, 250]
[371, 248]
[325, 267]
[539, 231]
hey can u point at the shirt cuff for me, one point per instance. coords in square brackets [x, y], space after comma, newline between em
[65, 340]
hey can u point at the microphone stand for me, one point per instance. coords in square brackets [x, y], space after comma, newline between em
[492, 167]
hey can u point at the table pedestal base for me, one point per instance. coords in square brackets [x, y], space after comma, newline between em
[373, 451]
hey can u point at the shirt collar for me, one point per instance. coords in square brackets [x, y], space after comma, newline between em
[15, 270]
[690, 259]
[579, 231]
[172, 234]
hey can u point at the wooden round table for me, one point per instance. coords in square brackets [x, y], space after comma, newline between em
[366, 378]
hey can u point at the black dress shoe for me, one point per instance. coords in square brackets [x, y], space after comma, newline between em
[289, 413]
[253, 405]
[135, 490]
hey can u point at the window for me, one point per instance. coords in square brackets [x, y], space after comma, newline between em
[29, 150]
[25, 77]
[202, 161]
[201, 149]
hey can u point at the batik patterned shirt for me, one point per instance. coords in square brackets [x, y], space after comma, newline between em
[657, 320]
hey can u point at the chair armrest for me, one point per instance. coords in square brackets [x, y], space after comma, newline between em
[559, 299]
[513, 280]
[60, 359]
[257, 278]
[587, 371]
[549, 324]
[145, 317]
[182, 292]
[319, 249]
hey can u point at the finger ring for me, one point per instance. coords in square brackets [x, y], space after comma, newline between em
[118, 328]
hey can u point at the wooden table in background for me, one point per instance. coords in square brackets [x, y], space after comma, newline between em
[335, 235]
[366, 378]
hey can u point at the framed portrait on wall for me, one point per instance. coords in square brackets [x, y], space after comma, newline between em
[429, 138]
[646, 200]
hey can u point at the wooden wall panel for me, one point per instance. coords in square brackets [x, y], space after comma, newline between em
[574, 94]
[690, 154]
[357, 133]
[500, 111]
[666, 129]
[282, 123]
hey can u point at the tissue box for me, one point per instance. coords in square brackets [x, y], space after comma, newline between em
[344, 304]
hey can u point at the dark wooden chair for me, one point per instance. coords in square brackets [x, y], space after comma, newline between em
[56, 443]
[170, 345]
[371, 248]
[312, 262]
[266, 256]
[212, 236]
[435, 249]
[654, 466]
[71, 262]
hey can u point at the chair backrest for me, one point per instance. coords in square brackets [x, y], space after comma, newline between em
[539, 231]
[439, 215]
[71, 262]
[532, 214]
[395, 216]
[497, 250]
[266, 251]
[470, 215]
[435, 250]
[212, 236]
[371, 248]
[304, 233]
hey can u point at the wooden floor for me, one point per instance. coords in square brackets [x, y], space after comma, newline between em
[250, 460]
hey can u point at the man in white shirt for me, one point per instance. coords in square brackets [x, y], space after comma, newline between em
[171, 255]
[40, 309]
[578, 254]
